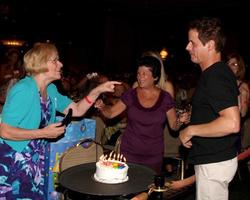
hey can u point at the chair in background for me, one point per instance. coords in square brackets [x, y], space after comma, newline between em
[84, 152]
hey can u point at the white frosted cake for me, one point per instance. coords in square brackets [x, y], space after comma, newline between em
[111, 171]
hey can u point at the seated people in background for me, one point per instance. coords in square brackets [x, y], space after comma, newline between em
[29, 118]
[148, 107]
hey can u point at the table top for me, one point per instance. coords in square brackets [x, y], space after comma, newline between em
[80, 179]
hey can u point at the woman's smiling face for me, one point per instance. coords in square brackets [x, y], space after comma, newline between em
[145, 76]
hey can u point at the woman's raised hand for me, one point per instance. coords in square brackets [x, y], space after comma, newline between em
[108, 86]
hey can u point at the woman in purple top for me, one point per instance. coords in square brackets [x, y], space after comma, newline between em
[147, 108]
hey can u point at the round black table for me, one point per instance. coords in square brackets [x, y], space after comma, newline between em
[80, 179]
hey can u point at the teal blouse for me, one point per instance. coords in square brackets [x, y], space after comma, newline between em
[22, 108]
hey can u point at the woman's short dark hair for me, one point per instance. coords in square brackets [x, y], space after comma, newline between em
[152, 63]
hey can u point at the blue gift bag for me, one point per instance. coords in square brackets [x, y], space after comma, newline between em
[75, 131]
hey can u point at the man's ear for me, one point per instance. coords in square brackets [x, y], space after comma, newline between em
[211, 45]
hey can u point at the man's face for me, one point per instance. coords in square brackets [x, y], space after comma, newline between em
[196, 49]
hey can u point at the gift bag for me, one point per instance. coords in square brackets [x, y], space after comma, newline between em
[75, 131]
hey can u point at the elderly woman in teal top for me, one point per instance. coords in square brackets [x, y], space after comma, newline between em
[28, 119]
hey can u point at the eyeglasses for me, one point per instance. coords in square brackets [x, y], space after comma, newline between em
[54, 60]
[233, 64]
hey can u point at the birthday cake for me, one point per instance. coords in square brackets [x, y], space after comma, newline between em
[110, 170]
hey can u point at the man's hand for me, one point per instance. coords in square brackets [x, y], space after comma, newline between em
[185, 137]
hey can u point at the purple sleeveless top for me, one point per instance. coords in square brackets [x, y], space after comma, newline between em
[142, 141]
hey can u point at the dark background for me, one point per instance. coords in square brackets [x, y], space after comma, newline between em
[108, 35]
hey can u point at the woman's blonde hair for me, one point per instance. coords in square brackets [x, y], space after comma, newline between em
[36, 58]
